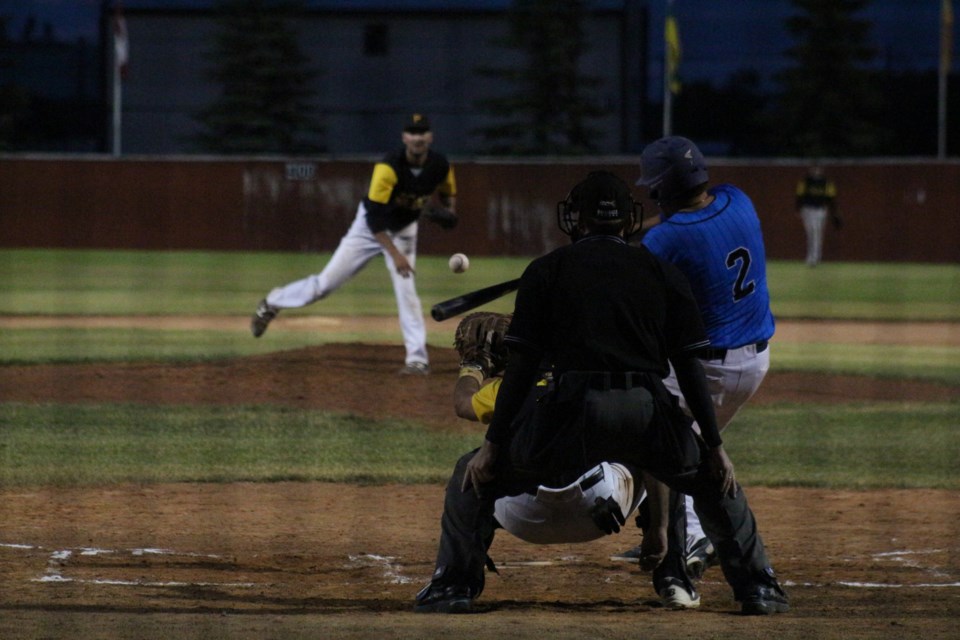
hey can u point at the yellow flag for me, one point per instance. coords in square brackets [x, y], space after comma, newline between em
[946, 36]
[672, 40]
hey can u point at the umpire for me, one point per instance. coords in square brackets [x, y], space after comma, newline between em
[608, 316]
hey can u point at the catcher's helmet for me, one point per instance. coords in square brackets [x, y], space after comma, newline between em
[670, 167]
[602, 200]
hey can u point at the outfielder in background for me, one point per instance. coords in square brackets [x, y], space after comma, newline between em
[713, 236]
[609, 318]
[404, 185]
[816, 199]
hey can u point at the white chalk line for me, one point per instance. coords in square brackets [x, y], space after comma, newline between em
[391, 570]
[58, 558]
[393, 573]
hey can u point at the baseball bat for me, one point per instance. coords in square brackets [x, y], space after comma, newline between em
[466, 302]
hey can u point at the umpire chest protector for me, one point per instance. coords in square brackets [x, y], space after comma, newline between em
[607, 315]
[603, 305]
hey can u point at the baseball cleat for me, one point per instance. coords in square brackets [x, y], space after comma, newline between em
[435, 598]
[764, 600]
[415, 369]
[701, 557]
[630, 555]
[675, 596]
[262, 317]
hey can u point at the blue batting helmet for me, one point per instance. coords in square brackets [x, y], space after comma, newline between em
[671, 166]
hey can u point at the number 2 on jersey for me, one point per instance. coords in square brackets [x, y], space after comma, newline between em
[741, 288]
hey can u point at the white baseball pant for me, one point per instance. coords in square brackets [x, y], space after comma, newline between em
[814, 220]
[731, 382]
[357, 248]
[562, 515]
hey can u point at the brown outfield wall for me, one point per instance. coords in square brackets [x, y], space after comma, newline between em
[893, 211]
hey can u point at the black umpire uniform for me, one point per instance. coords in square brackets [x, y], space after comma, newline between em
[608, 315]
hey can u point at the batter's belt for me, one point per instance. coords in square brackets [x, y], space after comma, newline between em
[708, 353]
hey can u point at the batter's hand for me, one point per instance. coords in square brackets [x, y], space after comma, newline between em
[480, 468]
[721, 469]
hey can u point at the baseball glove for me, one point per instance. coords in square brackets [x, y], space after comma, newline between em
[444, 217]
[479, 341]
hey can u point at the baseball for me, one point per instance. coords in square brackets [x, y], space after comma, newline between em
[459, 263]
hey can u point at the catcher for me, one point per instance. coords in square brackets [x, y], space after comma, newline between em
[595, 504]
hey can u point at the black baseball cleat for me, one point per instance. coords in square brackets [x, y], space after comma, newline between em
[261, 318]
[438, 598]
[765, 599]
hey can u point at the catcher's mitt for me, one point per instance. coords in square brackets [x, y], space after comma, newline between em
[479, 341]
[444, 217]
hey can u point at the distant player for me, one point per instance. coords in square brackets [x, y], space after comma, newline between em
[816, 198]
[713, 235]
[386, 224]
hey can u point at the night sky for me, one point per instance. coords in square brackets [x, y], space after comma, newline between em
[718, 38]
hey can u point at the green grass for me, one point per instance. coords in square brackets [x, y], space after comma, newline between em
[857, 446]
[184, 283]
[865, 291]
[846, 445]
[854, 446]
[88, 282]
[933, 364]
[106, 444]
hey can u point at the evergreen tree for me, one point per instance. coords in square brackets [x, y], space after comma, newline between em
[830, 103]
[733, 115]
[545, 111]
[264, 103]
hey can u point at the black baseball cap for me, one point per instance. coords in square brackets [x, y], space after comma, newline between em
[604, 196]
[416, 123]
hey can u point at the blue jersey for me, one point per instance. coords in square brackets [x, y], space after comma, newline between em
[720, 250]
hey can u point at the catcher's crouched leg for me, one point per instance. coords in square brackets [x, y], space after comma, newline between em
[465, 537]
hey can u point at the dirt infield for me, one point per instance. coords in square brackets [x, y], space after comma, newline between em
[298, 560]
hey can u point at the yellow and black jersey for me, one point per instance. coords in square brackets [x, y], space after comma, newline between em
[398, 191]
[815, 191]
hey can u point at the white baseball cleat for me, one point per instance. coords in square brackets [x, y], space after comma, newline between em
[675, 596]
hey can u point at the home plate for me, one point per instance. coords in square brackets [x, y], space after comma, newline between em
[530, 563]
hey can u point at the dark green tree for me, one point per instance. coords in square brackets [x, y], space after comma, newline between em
[544, 110]
[733, 114]
[830, 101]
[264, 104]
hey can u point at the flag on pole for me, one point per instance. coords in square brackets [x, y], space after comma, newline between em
[121, 46]
[671, 37]
[946, 36]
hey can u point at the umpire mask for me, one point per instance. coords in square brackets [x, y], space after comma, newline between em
[601, 204]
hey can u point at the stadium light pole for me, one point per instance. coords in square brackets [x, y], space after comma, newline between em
[120, 58]
[946, 59]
